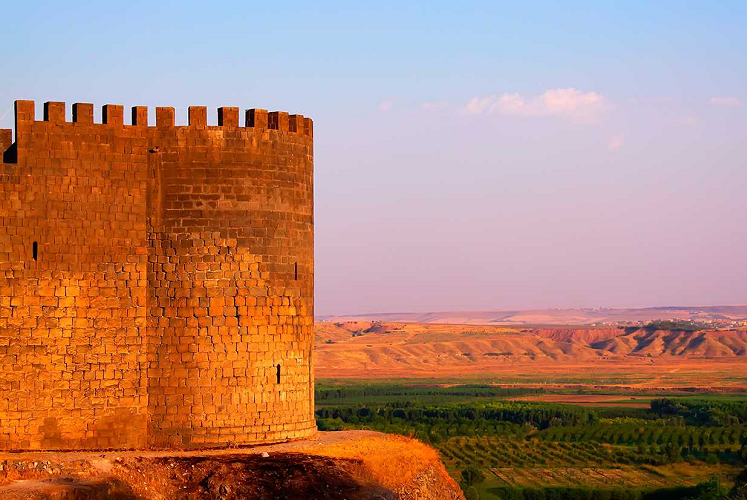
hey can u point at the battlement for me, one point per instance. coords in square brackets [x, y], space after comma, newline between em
[113, 116]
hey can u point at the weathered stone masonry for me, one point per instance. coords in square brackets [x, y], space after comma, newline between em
[156, 282]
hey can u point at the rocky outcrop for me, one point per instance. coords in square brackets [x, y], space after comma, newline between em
[433, 483]
[353, 465]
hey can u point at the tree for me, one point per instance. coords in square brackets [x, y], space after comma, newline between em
[664, 406]
[739, 491]
[471, 475]
[674, 452]
[709, 490]
[472, 494]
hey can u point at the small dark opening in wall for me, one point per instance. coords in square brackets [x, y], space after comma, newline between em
[35, 250]
[11, 154]
[295, 271]
[278, 374]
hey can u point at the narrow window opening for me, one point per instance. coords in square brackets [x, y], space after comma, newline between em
[296, 271]
[35, 250]
[278, 374]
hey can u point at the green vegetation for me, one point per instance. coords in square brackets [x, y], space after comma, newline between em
[329, 395]
[496, 448]
[703, 412]
[708, 490]
[682, 326]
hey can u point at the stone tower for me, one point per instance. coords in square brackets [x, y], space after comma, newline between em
[156, 282]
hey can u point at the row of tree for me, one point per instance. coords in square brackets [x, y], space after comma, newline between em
[649, 433]
[703, 412]
[324, 393]
[534, 416]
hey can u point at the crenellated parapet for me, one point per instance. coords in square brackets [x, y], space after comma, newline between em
[113, 116]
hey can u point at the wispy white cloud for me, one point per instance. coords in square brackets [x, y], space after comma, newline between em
[616, 142]
[385, 106]
[571, 103]
[690, 121]
[726, 102]
[434, 105]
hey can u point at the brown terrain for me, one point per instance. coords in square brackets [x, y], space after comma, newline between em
[340, 465]
[600, 356]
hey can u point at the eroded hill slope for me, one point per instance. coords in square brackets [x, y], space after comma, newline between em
[375, 350]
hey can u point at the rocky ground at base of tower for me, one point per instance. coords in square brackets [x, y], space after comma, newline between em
[349, 464]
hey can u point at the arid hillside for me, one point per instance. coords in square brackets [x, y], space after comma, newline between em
[633, 355]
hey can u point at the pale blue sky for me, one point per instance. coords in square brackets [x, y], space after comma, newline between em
[468, 156]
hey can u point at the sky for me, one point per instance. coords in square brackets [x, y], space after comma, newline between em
[468, 155]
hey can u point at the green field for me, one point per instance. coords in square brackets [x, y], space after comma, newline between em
[681, 446]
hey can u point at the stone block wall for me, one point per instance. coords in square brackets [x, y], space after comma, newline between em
[156, 283]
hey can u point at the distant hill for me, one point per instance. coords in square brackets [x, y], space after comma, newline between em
[596, 316]
[635, 355]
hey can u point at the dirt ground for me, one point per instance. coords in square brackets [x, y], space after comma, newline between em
[353, 465]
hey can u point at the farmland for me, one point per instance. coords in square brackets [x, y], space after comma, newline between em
[523, 441]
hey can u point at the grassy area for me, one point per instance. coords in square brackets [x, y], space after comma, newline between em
[362, 394]
[525, 449]
[540, 383]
